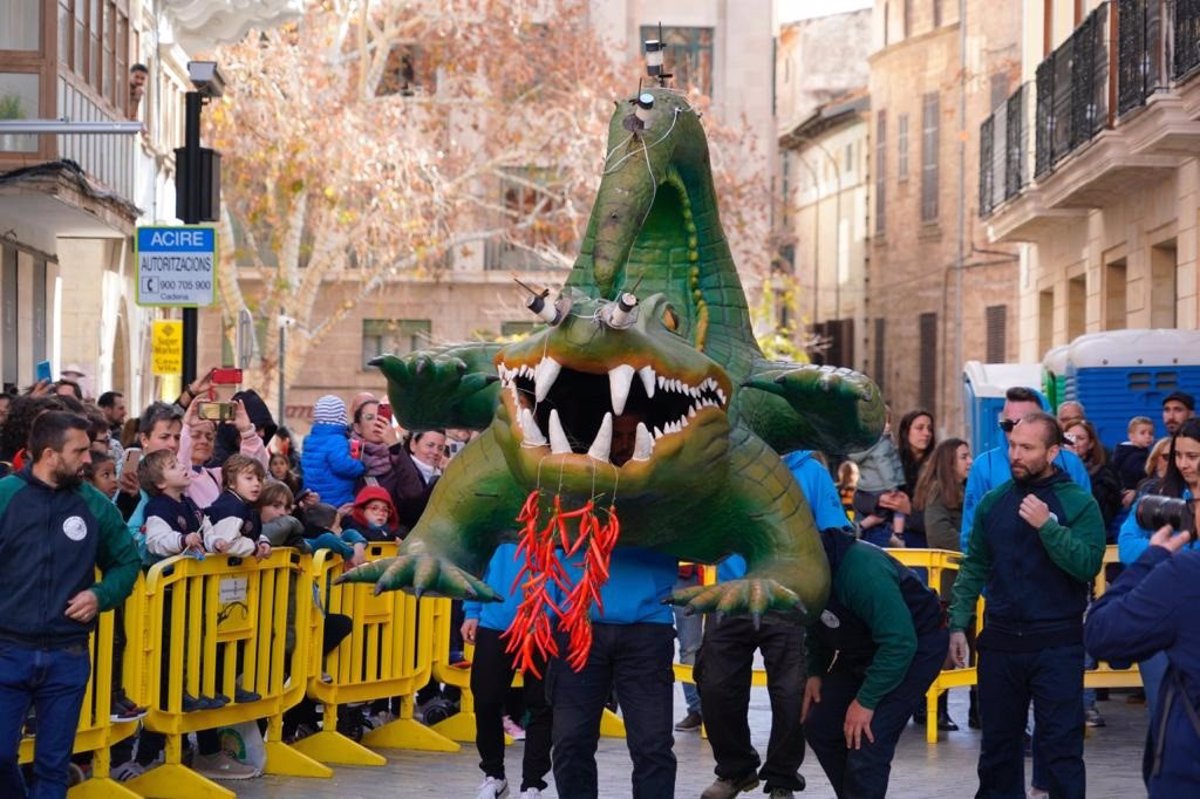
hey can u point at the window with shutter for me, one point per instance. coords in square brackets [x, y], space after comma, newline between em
[930, 119]
[927, 390]
[880, 332]
[997, 333]
[880, 172]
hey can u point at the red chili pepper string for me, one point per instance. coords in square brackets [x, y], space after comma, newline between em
[530, 637]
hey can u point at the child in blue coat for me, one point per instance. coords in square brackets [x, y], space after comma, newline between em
[329, 468]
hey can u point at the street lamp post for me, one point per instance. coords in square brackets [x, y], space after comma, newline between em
[197, 183]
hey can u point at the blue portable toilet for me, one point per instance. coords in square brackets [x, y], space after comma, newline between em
[984, 385]
[1120, 374]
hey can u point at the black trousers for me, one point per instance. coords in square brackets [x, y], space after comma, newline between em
[723, 672]
[635, 659]
[863, 773]
[491, 677]
[1053, 679]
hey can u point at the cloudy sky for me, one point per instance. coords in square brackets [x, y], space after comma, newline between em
[791, 10]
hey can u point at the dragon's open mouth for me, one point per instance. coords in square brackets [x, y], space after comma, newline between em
[614, 416]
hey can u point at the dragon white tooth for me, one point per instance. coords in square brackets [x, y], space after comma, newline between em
[619, 380]
[643, 444]
[721, 394]
[558, 437]
[532, 434]
[547, 373]
[692, 411]
[694, 391]
[683, 422]
[658, 433]
[647, 375]
[602, 445]
[662, 382]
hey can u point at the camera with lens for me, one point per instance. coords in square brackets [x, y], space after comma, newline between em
[1153, 512]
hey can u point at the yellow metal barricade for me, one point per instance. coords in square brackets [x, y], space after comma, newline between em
[1104, 675]
[96, 732]
[939, 562]
[213, 626]
[388, 653]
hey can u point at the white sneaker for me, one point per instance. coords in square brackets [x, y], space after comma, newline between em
[513, 730]
[223, 766]
[492, 788]
[531, 793]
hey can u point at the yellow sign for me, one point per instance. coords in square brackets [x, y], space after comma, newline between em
[166, 348]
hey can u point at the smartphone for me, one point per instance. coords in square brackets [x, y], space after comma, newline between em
[355, 448]
[133, 456]
[226, 376]
[42, 372]
[385, 413]
[216, 411]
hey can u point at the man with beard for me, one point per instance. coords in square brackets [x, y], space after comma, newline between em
[1036, 543]
[55, 530]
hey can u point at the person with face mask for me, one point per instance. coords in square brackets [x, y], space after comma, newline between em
[1036, 543]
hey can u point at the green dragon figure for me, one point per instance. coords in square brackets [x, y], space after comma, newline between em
[646, 387]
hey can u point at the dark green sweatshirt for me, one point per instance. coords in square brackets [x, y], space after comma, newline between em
[877, 609]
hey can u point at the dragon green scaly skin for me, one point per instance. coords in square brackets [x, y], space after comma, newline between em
[668, 410]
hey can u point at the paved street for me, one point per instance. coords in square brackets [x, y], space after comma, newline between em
[944, 771]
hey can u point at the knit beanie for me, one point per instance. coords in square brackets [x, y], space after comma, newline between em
[329, 410]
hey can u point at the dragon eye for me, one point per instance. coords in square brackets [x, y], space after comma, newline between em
[670, 319]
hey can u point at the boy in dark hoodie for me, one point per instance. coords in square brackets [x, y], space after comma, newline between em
[374, 516]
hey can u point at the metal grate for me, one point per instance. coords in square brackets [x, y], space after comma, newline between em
[997, 333]
[1186, 28]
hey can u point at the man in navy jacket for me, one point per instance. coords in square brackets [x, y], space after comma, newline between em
[55, 530]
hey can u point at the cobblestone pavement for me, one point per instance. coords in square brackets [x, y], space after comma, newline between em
[942, 771]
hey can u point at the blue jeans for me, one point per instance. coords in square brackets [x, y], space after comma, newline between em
[53, 681]
[636, 660]
[690, 631]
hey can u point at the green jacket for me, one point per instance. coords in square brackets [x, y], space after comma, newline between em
[51, 542]
[1037, 580]
[877, 609]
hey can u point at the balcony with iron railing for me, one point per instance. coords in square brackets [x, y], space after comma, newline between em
[1111, 108]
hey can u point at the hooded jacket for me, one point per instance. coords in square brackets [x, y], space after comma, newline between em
[1150, 609]
[1037, 579]
[359, 522]
[877, 609]
[51, 542]
[328, 468]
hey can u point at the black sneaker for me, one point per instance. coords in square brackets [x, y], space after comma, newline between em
[242, 695]
[689, 723]
[729, 788]
[123, 709]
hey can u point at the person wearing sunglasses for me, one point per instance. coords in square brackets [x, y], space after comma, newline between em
[991, 468]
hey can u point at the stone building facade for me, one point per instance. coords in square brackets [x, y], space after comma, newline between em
[1102, 190]
[937, 293]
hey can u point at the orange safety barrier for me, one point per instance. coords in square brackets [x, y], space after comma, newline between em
[96, 731]
[222, 623]
[388, 653]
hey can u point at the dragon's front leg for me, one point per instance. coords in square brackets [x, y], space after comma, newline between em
[803, 406]
[472, 508]
[452, 386]
[763, 516]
